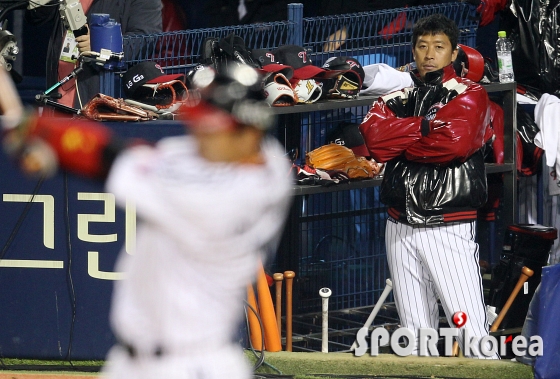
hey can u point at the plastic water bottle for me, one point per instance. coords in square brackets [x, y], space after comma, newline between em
[505, 65]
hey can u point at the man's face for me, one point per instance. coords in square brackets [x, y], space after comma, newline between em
[433, 52]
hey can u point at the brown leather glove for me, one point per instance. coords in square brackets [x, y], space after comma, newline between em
[166, 96]
[337, 157]
[107, 108]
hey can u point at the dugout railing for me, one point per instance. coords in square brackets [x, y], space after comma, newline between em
[374, 37]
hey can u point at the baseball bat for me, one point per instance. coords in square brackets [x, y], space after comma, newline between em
[272, 340]
[255, 332]
[388, 288]
[526, 273]
[289, 276]
[325, 293]
[278, 277]
[455, 350]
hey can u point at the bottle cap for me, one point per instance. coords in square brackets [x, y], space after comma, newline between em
[501, 33]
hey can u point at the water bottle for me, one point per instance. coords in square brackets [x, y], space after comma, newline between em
[105, 33]
[505, 65]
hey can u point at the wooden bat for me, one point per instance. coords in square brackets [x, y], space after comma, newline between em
[255, 332]
[272, 340]
[278, 277]
[526, 273]
[289, 276]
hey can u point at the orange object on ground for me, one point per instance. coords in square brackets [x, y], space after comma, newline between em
[272, 340]
[255, 332]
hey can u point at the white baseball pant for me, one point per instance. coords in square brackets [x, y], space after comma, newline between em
[431, 262]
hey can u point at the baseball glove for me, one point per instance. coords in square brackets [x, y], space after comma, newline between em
[166, 96]
[107, 108]
[278, 92]
[337, 157]
[345, 86]
[307, 90]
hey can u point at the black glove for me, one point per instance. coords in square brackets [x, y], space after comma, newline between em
[449, 95]
[426, 96]
[234, 47]
[397, 106]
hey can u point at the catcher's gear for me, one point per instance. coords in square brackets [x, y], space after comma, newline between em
[106, 108]
[277, 91]
[344, 86]
[307, 90]
[164, 97]
[336, 157]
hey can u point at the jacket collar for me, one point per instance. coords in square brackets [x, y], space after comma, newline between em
[435, 77]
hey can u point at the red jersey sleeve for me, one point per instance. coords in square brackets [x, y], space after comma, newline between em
[459, 129]
[386, 135]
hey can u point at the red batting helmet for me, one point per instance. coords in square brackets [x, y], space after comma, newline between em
[469, 63]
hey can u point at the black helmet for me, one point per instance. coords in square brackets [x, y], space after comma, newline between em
[237, 90]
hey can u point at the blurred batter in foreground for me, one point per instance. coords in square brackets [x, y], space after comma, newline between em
[210, 205]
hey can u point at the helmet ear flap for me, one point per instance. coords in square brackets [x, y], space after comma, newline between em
[469, 63]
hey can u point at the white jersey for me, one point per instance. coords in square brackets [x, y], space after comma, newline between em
[203, 228]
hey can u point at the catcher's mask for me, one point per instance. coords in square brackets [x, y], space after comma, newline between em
[469, 63]
[237, 91]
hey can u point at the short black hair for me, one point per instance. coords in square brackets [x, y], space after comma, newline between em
[435, 24]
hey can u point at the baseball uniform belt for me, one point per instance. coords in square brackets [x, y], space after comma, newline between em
[133, 352]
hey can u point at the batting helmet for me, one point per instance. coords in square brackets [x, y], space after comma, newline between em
[237, 91]
[469, 63]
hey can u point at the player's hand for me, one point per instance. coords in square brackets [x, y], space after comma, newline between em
[11, 107]
[83, 42]
[397, 106]
[34, 156]
[38, 159]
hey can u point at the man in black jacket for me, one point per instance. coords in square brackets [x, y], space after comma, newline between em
[431, 137]
[135, 17]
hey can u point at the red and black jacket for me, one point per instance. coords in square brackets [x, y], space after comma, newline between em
[435, 169]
